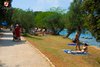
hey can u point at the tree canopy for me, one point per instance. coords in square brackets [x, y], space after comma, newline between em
[92, 16]
[5, 12]
[84, 14]
[50, 19]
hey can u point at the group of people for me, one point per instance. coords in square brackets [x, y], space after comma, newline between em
[78, 49]
[16, 30]
[38, 31]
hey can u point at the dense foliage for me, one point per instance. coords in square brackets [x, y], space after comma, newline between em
[91, 10]
[74, 18]
[5, 12]
[84, 15]
[29, 19]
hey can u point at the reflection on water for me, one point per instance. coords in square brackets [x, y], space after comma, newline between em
[86, 38]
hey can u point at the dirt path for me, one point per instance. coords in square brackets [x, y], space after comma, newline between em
[20, 54]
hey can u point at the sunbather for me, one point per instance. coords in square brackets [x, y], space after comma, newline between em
[84, 49]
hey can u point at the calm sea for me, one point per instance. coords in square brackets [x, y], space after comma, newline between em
[84, 38]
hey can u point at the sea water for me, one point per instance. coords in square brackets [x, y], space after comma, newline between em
[84, 37]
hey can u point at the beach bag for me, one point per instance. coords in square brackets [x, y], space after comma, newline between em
[74, 41]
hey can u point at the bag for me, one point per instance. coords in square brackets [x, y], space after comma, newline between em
[74, 41]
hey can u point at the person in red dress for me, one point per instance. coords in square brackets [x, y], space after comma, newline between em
[17, 31]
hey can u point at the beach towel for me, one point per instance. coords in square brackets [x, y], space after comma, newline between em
[75, 53]
[72, 44]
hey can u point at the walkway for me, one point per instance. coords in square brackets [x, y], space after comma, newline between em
[20, 54]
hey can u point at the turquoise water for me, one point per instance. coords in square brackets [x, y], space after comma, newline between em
[84, 38]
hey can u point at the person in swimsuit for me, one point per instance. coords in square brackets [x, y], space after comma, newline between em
[84, 49]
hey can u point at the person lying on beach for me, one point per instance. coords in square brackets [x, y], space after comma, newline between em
[84, 49]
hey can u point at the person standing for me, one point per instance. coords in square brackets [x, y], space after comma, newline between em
[77, 41]
[12, 28]
[17, 31]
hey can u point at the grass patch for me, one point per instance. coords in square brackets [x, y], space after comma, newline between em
[33, 37]
[52, 47]
[98, 59]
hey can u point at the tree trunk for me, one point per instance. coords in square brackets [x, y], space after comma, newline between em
[53, 30]
[68, 34]
[59, 31]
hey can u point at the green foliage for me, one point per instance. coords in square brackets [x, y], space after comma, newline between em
[5, 12]
[28, 19]
[92, 16]
[57, 10]
[39, 20]
[74, 18]
[8, 15]
[86, 14]
[55, 22]
[25, 18]
[50, 20]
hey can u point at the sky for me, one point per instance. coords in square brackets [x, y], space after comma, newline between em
[41, 5]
